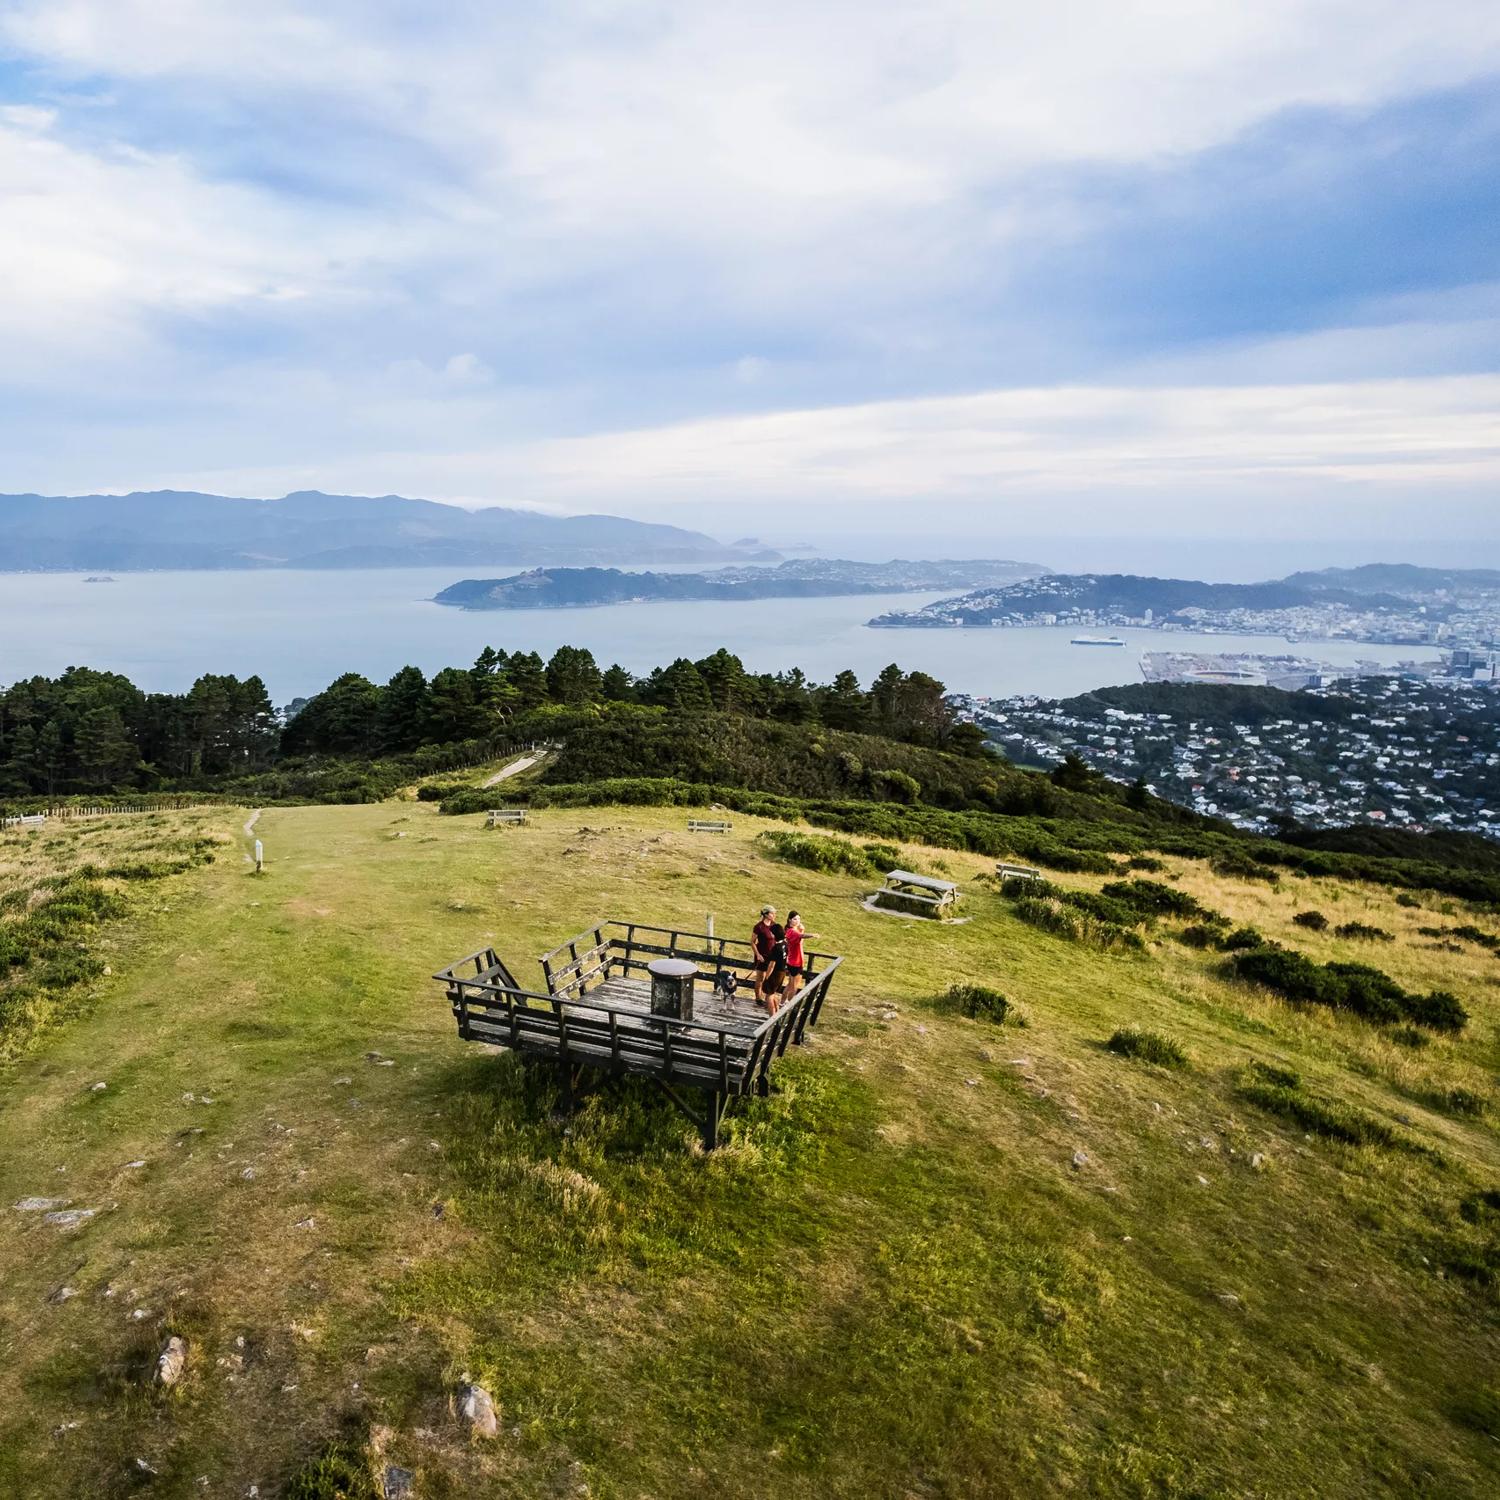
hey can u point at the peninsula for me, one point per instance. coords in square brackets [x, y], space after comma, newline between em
[801, 578]
[1397, 605]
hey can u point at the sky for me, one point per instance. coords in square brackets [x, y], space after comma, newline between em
[1114, 269]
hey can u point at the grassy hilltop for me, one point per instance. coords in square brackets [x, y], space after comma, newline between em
[948, 1258]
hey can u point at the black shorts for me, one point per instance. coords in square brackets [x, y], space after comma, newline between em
[796, 970]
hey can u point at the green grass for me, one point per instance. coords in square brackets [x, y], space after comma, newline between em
[892, 1281]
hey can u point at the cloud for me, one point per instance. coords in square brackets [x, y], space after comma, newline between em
[596, 252]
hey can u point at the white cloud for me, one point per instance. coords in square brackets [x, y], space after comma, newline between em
[785, 177]
[1324, 453]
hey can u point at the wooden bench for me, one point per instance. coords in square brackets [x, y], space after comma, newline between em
[499, 816]
[708, 825]
[1017, 872]
[925, 895]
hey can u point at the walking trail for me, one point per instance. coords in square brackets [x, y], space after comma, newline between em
[515, 768]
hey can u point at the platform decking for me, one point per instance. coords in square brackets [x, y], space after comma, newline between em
[596, 1012]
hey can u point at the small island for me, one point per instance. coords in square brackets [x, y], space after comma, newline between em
[801, 578]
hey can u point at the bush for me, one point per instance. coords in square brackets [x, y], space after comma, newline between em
[1153, 899]
[981, 1004]
[1337, 1122]
[440, 791]
[1456, 1102]
[1409, 1036]
[1314, 921]
[1440, 1010]
[813, 851]
[1146, 862]
[1362, 932]
[1276, 1075]
[1356, 988]
[1147, 1046]
[1199, 935]
[1404, 898]
[1241, 940]
[340, 1472]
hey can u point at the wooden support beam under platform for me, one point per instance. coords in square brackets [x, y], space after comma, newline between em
[597, 1012]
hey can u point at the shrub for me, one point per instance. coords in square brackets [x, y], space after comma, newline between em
[340, 1472]
[1276, 1075]
[1152, 898]
[1145, 862]
[1147, 1046]
[980, 1003]
[1199, 935]
[1103, 908]
[1353, 987]
[440, 791]
[1314, 921]
[1337, 1122]
[1364, 933]
[1456, 1102]
[1440, 1010]
[1049, 917]
[1241, 939]
[1405, 898]
[815, 852]
[1409, 1036]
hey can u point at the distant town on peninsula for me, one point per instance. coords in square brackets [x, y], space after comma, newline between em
[1386, 603]
[567, 588]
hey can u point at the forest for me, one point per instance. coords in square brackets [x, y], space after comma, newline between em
[88, 731]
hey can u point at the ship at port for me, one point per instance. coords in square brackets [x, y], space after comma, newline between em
[1097, 640]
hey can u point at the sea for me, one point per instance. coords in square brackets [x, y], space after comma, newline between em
[300, 629]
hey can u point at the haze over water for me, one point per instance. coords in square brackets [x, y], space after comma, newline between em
[299, 630]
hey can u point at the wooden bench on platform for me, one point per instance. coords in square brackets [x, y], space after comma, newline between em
[708, 825]
[598, 1012]
[499, 816]
[1017, 872]
[925, 895]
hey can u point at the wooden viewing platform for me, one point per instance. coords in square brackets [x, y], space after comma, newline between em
[597, 1012]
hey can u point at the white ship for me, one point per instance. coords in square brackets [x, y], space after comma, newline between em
[1097, 640]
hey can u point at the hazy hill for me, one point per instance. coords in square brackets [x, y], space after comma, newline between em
[184, 529]
[1405, 579]
[562, 588]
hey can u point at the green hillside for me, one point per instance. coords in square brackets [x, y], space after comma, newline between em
[947, 1258]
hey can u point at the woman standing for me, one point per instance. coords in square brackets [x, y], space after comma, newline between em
[796, 964]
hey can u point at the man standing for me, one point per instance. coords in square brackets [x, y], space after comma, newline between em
[763, 941]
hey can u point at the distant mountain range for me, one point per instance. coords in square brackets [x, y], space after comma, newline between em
[1403, 579]
[567, 588]
[182, 529]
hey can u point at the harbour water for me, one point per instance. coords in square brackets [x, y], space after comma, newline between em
[299, 630]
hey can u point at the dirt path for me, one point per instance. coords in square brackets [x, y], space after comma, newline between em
[515, 768]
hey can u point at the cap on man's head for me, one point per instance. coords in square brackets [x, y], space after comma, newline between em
[766, 911]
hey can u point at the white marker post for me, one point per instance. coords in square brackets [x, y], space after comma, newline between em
[260, 858]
